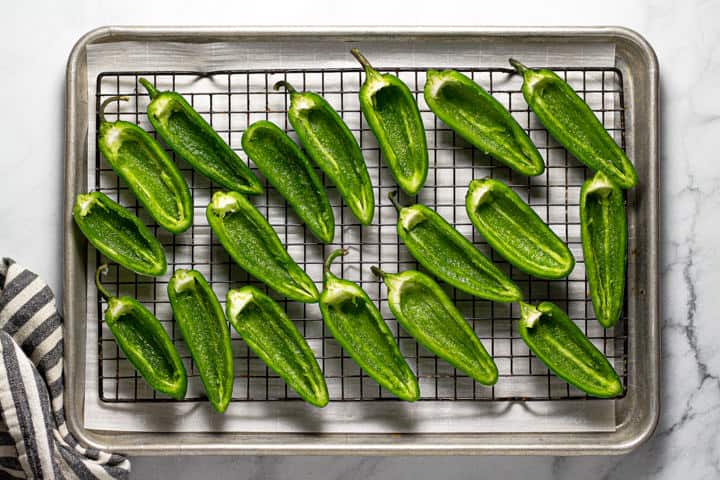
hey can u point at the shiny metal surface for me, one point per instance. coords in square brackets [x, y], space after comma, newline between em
[636, 413]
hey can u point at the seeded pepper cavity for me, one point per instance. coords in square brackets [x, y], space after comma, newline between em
[392, 113]
[253, 244]
[572, 123]
[563, 347]
[424, 310]
[270, 334]
[288, 170]
[472, 112]
[195, 141]
[450, 256]
[118, 234]
[147, 170]
[603, 228]
[144, 342]
[355, 322]
[202, 323]
[515, 231]
[333, 147]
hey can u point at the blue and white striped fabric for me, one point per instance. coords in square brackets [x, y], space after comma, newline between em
[34, 440]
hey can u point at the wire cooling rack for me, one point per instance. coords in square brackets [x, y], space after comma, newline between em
[231, 100]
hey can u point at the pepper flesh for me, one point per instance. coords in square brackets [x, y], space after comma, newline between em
[270, 334]
[118, 234]
[147, 170]
[515, 231]
[473, 113]
[253, 244]
[450, 256]
[423, 309]
[562, 346]
[195, 141]
[604, 239]
[333, 147]
[574, 125]
[394, 118]
[288, 169]
[144, 342]
[355, 322]
[202, 323]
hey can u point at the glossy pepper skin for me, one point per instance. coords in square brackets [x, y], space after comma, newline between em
[195, 141]
[393, 116]
[515, 231]
[288, 170]
[450, 256]
[334, 149]
[574, 125]
[270, 334]
[253, 244]
[202, 323]
[603, 227]
[118, 234]
[475, 115]
[563, 347]
[144, 342]
[423, 309]
[355, 322]
[147, 170]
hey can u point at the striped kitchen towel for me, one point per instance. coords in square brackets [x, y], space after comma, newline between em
[34, 439]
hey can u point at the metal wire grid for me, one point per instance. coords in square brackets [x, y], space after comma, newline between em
[231, 100]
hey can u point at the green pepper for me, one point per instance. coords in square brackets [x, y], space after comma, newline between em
[118, 234]
[195, 141]
[574, 125]
[268, 331]
[393, 116]
[333, 147]
[481, 120]
[202, 323]
[515, 231]
[288, 169]
[423, 309]
[147, 170]
[450, 256]
[253, 244]
[561, 345]
[604, 240]
[144, 342]
[356, 323]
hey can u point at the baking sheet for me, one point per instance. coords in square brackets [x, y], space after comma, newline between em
[367, 417]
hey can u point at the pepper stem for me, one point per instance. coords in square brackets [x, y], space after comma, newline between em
[284, 84]
[518, 66]
[152, 91]
[393, 199]
[340, 252]
[102, 270]
[363, 61]
[106, 103]
[377, 272]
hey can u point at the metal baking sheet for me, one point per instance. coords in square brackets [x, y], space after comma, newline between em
[527, 402]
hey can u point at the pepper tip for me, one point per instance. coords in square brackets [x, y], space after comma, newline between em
[106, 102]
[518, 66]
[284, 84]
[152, 91]
[340, 252]
[102, 270]
[393, 199]
[361, 58]
[377, 272]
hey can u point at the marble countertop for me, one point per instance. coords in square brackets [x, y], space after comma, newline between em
[36, 37]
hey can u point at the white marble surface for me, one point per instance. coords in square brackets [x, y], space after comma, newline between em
[36, 37]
